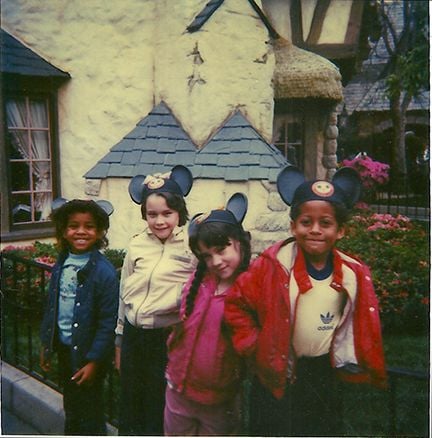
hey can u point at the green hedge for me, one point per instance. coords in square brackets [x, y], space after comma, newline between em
[397, 251]
[395, 248]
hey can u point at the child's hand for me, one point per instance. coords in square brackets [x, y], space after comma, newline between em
[86, 374]
[44, 363]
[117, 358]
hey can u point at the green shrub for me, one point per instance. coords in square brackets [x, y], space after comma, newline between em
[27, 287]
[115, 256]
[397, 251]
[47, 253]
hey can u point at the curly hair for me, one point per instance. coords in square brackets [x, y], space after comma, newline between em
[60, 217]
[174, 201]
[213, 234]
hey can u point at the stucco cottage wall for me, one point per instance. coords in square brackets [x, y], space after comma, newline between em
[267, 218]
[126, 56]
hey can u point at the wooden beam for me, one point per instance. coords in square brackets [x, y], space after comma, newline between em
[296, 23]
[265, 20]
[354, 23]
[317, 21]
[332, 51]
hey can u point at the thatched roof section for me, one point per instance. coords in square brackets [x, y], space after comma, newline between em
[302, 74]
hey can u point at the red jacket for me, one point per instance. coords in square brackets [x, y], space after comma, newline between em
[261, 307]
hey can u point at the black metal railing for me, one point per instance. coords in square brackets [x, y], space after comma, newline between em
[403, 199]
[403, 409]
[24, 287]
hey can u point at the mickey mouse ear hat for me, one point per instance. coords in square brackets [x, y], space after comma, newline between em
[345, 187]
[104, 205]
[178, 181]
[234, 213]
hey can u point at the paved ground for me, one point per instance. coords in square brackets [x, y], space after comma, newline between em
[12, 425]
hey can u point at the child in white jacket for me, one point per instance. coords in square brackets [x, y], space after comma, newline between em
[156, 267]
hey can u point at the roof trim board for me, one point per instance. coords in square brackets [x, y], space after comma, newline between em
[213, 5]
[209, 9]
[18, 59]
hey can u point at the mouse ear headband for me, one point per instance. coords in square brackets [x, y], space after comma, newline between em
[345, 188]
[105, 206]
[233, 213]
[178, 181]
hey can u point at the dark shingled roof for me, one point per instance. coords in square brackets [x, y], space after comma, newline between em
[19, 59]
[235, 153]
[156, 144]
[204, 15]
[366, 91]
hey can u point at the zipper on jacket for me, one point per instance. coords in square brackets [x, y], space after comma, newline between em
[337, 329]
[293, 375]
[149, 284]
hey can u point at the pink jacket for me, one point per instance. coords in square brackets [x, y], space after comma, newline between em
[202, 363]
[261, 308]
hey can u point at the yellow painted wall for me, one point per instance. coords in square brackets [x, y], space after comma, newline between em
[124, 57]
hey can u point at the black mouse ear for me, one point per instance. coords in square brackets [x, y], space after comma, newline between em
[137, 188]
[183, 177]
[106, 206]
[349, 181]
[238, 205]
[57, 203]
[288, 180]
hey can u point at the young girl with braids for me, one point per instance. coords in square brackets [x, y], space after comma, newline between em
[204, 372]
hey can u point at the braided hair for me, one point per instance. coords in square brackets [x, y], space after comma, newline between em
[215, 234]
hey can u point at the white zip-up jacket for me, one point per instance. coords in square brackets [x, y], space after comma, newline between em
[152, 278]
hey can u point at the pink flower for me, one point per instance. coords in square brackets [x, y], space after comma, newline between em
[372, 173]
[46, 260]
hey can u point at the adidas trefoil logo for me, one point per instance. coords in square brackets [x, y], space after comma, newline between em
[326, 319]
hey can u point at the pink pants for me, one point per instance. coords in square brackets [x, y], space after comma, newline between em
[189, 418]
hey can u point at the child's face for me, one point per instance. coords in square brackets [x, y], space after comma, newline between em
[81, 232]
[161, 219]
[316, 230]
[223, 262]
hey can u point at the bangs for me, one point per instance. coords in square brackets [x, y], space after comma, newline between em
[213, 234]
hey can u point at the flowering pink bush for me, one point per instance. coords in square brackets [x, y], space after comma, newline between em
[26, 285]
[389, 222]
[46, 260]
[40, 252]
[397, 251]
[372, 173]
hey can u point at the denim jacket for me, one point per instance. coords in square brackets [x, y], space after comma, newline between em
[95, 311]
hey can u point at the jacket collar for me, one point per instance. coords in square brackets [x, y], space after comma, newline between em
[299, 268]
[82, 273]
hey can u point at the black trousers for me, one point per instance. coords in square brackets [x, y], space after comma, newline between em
[142, 380]
[83, 405]
[309, 407]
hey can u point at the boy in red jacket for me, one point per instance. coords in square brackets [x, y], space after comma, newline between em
[305, 312]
